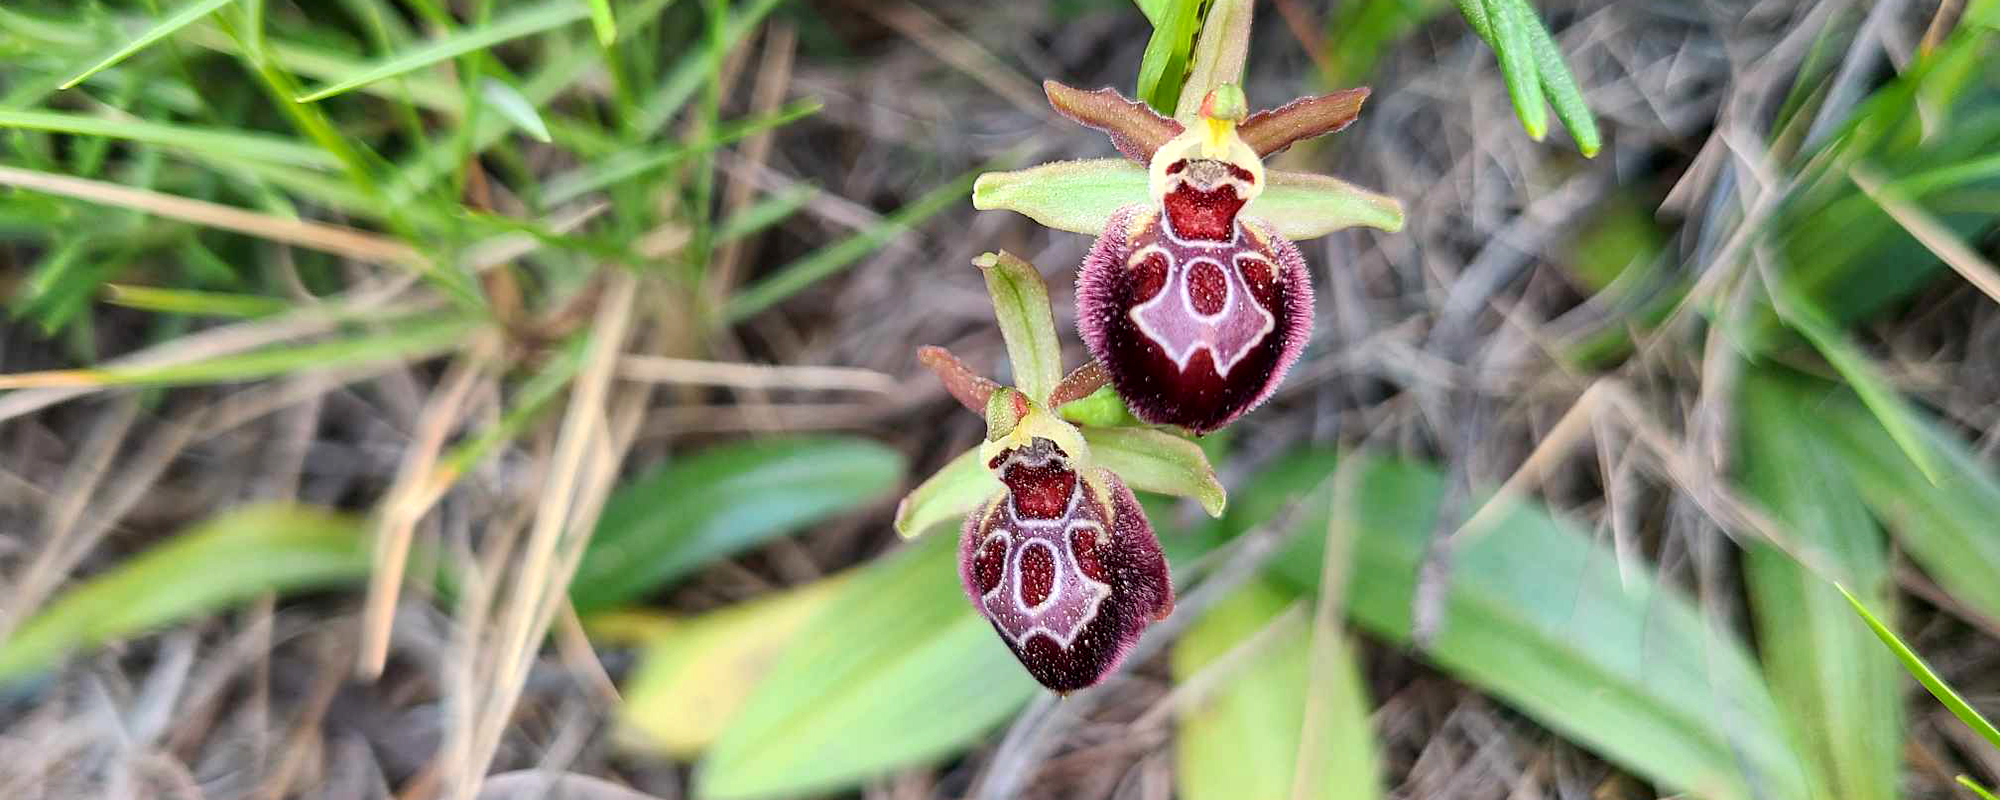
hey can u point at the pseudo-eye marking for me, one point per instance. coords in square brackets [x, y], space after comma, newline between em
[1172, 320]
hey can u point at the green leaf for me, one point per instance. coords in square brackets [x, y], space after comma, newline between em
[1152, 9]
[231, 558]
[1843, 695]
[1080, 196]
[720, 501]
[1562, 90]
[1975, 788]
[1218, 55]
[1539, 616]
[947, 496]
[1244, 740]
[182, 17]
[694, 675]
[188, 301]
[897, 670]
[526, 23]
[1924, 675]
[1510, 20]
[1027, 322]
[507, 100]
[1163, 68]
[207, 141]
[1947, 526]
[1889, 408]
[604, 22]
[1157, 461]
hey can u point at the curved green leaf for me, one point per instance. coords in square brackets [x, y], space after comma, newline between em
[948, 495]
[229, 559]
[1244, 740]
[1157, 461]
[721, 501]
[695, 674]
[458, 43]
[1947, 526]
[1538, 616]
[1841, 692]
[1926, 676]
[896, 670]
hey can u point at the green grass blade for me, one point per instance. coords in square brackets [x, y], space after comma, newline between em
[1244, 740]
[764, 213]
[406, 340]
[673, 520]
[629, 164]
[526, 23]
[190, 301]
[507, 100]
[225, 561]
[1562, 90]
[1975, 788]
[793, 278]
[1842, 693]
[896, 670]
[1152, 9]
[1540, 617]
[605, 24]
[212, 142]
[181, 18]
[1888, 406]
[1163, 68]
[1947, 527]
[1924, 675]
[1514, 47]
[1218, 54]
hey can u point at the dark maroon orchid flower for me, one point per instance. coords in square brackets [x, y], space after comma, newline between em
[1193, 298]
[1064, 565]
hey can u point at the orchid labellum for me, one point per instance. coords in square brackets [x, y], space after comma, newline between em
[1193, 298]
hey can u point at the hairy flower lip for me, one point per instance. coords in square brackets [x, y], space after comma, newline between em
[1064, 566]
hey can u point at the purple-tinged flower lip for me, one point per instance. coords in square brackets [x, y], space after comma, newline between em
[1193, 333]
[1069, 585]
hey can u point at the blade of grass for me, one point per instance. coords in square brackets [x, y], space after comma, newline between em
[416, 339]
[1975, 788]
[1922, 671]
[1513, 44]
[795, 277]
[631, 163]
[1163, 68]
[605, 24]
[507, 100]
[525, 23]
[1562, 90]
[1874, 390]
[209, 141]
[181, 18]
[190, 301]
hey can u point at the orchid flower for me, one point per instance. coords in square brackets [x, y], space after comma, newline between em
[1193, 298]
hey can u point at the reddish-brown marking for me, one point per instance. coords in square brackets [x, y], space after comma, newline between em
[990, 563]
[1038, 575]
[1083, 545]
[1207, 288]
[1040, 492]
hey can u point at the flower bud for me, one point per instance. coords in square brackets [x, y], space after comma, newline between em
[1064, 565]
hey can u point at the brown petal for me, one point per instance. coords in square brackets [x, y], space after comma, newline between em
[1079, 384]
[1272, 131]
[1135, 129]
[971, 389]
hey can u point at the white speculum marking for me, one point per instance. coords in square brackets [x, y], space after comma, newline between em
[1172, 322]
[1073, 596]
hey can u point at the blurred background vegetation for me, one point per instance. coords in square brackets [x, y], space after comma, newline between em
[458, 398]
